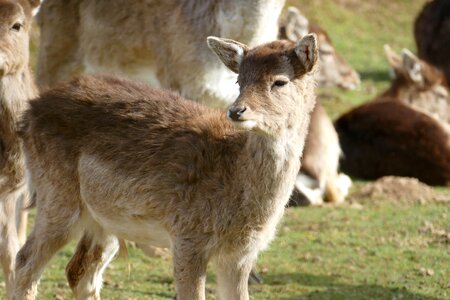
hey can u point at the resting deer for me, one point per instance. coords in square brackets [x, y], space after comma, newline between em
[405, 131]
[418, 84]
[432, 34]
[319, 179]
[152, 41]
[16, 87]
[114, 159]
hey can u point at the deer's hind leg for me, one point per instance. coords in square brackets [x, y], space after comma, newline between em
[94, 252]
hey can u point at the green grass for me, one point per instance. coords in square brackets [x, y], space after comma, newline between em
[377, 252]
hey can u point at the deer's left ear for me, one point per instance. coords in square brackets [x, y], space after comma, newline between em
[307, 51]
[230, 52]
[412, 67]
[297, 25]
[34, 3]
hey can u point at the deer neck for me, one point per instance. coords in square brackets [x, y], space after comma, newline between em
[270, 166]
[15, 91]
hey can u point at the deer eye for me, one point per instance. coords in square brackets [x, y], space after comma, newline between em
[279, 83]
[16, 27]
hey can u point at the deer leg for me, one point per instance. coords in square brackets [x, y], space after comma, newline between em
[9, 242]
[189, 264]
[232, 277]
[56, 223]
[22, 217]
[84, 272]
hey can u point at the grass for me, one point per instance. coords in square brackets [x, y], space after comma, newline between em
[377, 252]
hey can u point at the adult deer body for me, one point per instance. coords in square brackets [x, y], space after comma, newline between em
[147, 165]
[16, 87]
[153, 41]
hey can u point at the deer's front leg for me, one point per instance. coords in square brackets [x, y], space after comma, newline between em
[232, 276]
[190, 262]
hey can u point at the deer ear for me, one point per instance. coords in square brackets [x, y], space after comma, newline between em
[230, 52]
[412, 67]
[34, 3]
[297, 25]
[307, 51]
[393, 58]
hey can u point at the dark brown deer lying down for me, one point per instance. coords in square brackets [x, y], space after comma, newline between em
[404, 131]
[432, 34]
[16, 87]
[387, 137]
[111, 159]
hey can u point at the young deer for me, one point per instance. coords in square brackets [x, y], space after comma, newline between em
[152, 40]
[16, 87]
[114, 159]
[319, 179]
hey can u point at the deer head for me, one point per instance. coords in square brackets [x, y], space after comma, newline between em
[15, 24]
[272, 80]
[334, 69]
[417, 83]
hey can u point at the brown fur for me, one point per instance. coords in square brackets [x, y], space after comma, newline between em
[403, 132]
[386, 137]
[128, 161]
[16, 87]
[432, 34]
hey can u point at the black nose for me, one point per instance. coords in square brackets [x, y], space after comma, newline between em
[235, 112]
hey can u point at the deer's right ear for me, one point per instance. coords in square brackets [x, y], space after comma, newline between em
[412, 67]
[307, 51]
[230, 52]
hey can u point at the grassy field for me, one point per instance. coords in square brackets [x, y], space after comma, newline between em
[381, 250]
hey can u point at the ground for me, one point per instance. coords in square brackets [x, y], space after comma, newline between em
[391, 241]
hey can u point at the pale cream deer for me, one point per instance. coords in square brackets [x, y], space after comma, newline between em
[16, 87]
[159, 42]
[112, 159]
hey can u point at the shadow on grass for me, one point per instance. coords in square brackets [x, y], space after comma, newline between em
[336, 290]
[375, 75]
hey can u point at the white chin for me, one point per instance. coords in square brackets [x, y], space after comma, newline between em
[248, 125]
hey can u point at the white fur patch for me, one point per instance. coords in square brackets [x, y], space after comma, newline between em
[221, 82]
[248, 124]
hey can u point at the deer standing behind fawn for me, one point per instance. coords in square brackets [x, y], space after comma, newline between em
[109, 159]
[16, 87]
